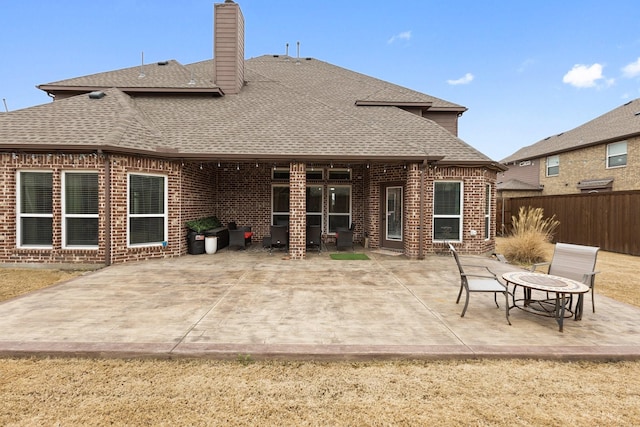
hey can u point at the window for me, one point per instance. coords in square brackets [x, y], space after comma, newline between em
[553, 165]
[281, 174]
[487, 211]
[313, 174]
[339, 207]
[447, 211]
[80, 209]
[147, 210]
[314, 205]
[617, 154]
[340, 174]
[280, 205]
[35, 209]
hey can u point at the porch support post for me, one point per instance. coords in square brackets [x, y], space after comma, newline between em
[297, 210]
[412, 212]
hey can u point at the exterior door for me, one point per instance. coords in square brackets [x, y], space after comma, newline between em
[392, 215]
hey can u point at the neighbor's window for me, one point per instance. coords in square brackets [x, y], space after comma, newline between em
[147, 210]
[487, 211]
[339, 207]
[280, 205]
[35, 209]
[314, 205]
[553, 165]
[80, 209]
[617, 154]
[447, 210]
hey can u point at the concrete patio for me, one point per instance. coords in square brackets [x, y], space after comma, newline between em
[250, 303]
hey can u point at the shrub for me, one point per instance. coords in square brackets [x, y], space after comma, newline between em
[202, 224]
[531, 231]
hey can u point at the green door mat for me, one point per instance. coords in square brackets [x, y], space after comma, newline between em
[349, 256]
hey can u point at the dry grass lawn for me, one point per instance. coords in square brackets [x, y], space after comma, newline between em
[75, 391]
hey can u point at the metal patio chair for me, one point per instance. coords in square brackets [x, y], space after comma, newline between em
[486, 282]
[575, 262]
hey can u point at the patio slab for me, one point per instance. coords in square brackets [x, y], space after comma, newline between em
[235, 303]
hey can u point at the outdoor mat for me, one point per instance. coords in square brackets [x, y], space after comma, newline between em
[349, 256]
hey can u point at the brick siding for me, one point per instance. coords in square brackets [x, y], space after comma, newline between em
[239, 192]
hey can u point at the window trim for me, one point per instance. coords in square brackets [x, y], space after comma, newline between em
[610, 156]
[333, 171]
[460, 216]
[274, 213]
[20, 214]
[329, 214]
[547, 165]
[487, 212]
[165, 215]
[321, 212]
[65, 215]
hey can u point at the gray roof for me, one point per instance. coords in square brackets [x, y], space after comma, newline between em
[618, 124]
[287, 109]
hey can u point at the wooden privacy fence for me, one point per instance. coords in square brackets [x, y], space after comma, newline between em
[610, 221]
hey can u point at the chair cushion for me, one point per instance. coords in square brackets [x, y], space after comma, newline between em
[248, 234]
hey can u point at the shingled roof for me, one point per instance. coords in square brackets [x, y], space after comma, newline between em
[616, 125]
[299, 108]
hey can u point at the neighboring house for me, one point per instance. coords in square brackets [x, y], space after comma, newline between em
[600, 155]
[113, 168]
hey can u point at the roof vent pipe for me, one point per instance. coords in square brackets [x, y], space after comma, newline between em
[97, 94]
[298, 54]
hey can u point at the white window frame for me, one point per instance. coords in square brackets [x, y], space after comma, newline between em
[273, 212]
[321, 212]
[334, 171]
[459, 216]
[20, 215]
[330, 215]
[65, 215]
[553, 162]
[487, 212]
[164, 216]
[614, 155]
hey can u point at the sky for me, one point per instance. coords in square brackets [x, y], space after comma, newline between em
[524, 69]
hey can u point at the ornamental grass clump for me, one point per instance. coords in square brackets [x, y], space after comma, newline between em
[530, 232]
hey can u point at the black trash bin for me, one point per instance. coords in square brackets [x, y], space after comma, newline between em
[195, 243]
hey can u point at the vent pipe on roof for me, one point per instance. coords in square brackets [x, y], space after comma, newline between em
[141, 75]
[287, 49]
[298, 54]
[97, 94]
[4, 101]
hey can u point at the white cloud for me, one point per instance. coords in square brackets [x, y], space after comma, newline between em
[466, 79]
[525, 65]
[585, 76]
[405, 35]
[632, 70]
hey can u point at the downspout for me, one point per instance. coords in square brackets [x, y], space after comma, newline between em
[107, 209]
[422, 225]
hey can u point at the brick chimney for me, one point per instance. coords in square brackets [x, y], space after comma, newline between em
[228, 46]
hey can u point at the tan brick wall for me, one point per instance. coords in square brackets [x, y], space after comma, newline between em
[590, 163]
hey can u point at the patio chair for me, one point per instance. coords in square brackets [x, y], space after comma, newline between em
[575, 262]
[279, 237]
[344, 237]
[314, 236]
[479, 283]
[239, 237]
